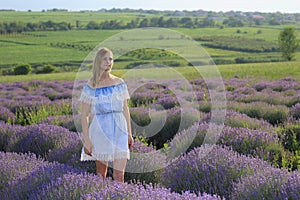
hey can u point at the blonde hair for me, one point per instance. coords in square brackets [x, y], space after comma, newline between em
[97, 65]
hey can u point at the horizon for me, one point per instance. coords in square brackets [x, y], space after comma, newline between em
[288, 6]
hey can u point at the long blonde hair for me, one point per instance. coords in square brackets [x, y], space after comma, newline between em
[97, 65]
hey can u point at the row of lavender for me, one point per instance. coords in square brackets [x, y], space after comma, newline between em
[267, 130]
[24, 176]
[221, 171]
[282, 95]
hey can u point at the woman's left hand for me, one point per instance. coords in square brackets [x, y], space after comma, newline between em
[130, 142]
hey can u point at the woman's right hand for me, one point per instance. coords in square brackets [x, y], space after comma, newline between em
[88, 147]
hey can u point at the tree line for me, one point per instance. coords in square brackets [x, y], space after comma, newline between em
[185, 22]
[18, 27]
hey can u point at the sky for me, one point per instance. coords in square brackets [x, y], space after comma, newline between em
[283, 6]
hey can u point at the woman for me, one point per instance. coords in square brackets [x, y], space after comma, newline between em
[104, 100]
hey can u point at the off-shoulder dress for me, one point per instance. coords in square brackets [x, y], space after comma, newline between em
[108, 129]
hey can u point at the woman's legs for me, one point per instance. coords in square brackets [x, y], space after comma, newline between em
[101, 168]
[119, 169]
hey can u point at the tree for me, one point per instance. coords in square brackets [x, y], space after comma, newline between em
[288, 43]
[22, 69]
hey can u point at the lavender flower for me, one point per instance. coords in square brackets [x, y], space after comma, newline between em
[295, 111]
[21, 188]
[270, 183]
[210, 169]
[260, 110]
[138, 191]
[69, 186]
[39, 139]
[6, 115]
[13, 165]
[242, 140]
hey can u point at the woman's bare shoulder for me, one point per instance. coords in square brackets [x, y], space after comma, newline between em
[117, 80]
[90, 84]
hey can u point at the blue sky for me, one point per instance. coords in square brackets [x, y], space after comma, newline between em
[284, 6]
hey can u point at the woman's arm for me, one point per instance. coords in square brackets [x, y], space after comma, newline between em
[127, 117]
[85, 128]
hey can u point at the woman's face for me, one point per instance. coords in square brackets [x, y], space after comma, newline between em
[107, 62]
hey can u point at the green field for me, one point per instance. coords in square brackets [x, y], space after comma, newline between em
[69, 17]
[70, 48]
[254, 72]
[18, 48]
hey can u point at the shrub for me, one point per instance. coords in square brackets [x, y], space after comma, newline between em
[295, 111]
[242, 140]
[148, 192]
[145, 164]
[6, 115]
[270, 183]
[65, 121]
[210, 169]
[240, 120]
[46, 69]
[177, 120]
[22, 69]
[21, 188]
[14, 165]
[70, 154]
[69, 186]
[22, 174]
[7, 131]
[274, 114]
[34, 114]
[39, 139]
[290, 136]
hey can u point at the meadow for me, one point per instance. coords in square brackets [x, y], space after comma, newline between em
[189, 142]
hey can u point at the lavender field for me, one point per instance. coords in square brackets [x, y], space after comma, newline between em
[256, 156]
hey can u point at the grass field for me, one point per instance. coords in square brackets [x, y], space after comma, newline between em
[69, 17]
[72, 47]
[30, 49]
[254, 71]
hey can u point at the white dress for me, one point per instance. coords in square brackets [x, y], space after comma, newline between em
[108, 130]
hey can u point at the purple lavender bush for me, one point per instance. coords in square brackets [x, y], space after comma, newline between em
[145, 165]
[14, 165]
[241, 120]
[6, 133]
[290, 135]
[241, 140]
[295, 111]
[177, 120]
[65, 121]
[39, 139]
[6, 115]
[274, 114]
[20, 188]
[115, 190]
[70, 153]
[36, 113]
[270, 184]
[285, 84]
[167, 101]
[22, 174]
[69, 186]
[211, 169]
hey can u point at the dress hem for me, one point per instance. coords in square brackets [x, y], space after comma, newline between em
[105, 157]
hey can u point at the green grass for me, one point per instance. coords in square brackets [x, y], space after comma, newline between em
[19, 48]
[69, 17]
[257, 71]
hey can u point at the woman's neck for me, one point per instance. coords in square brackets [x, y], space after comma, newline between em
[105, 76]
